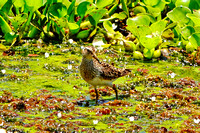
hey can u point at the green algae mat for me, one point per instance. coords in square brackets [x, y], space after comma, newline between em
[45, 93]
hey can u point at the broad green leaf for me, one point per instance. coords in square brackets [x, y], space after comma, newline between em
[158, 27]
[73, 27]
[4, 26]
[148, 53]
[83, 34]
[194, 39]
[6, 6]
[71, 11]
[32, 5]
[189, 47]
[185, 3]
[139, 9]
[121, 15]
[10, 37]
[194, 5]
[161, 5]
[108, 26]
[59, 10]
[2, 2]
[197, 29]
[138, 20]
[124, 7]
[187, 31]
[139, 31]
[151, 2]
[83, 7]
[178, 15]
[102, 3]
[19, 3]
[96, 15]
[195, 19]
[154, 11]
[149, 42]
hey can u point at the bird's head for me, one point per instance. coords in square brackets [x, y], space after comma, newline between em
[89, 52]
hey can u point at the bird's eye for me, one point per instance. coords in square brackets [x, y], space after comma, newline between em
[89, 51]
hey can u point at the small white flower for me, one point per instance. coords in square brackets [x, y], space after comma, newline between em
[149, 36]
[3, 71]
[172, 75]
[59, 115]
[153, 98]
[131, 118]
[40, 41]
[46, 55]
[95, 121]
[196, 121]
[69, 66]
[98, 44]
[121, 43]
[114, 26]
[2, 131]
[70, 41]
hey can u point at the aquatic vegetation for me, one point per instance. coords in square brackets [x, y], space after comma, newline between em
[48, 94]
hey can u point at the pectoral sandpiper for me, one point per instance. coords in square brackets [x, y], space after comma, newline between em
[99, 73]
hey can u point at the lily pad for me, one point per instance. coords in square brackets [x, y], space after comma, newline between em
[138, 20]
[149, 42]
[59, 10]
[178, 15]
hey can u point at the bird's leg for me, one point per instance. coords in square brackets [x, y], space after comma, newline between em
[115, 89]
[97, 96]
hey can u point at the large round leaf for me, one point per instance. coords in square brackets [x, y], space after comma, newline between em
[73, 27]
[187, 31]
[185, 3]
[151, 2]
[154, 11]
[19, 3]
[149, 42]
[158, 27]
[195, 19]
[84, 7]
[178, 15]
[96, 15]
[139, 31]
[138, 20]
[59, 10]
[33, 5]
[102, 3]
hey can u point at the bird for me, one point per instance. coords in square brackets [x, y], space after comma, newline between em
[98, 73]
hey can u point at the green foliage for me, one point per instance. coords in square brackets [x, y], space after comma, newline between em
[161, 20]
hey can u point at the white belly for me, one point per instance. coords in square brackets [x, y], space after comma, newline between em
[100, 82]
